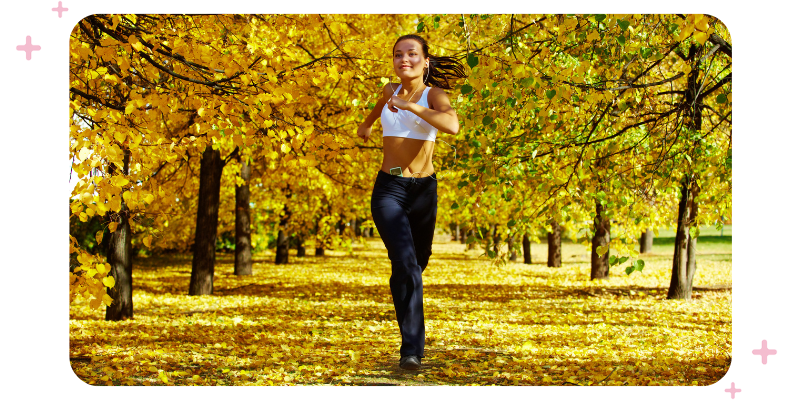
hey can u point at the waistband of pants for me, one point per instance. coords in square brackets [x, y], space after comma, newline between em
[383, 177]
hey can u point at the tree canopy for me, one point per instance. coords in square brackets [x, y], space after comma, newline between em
[559, 113]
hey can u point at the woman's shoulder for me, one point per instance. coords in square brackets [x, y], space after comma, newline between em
[388, 90]
[435, 90]
[437, 93]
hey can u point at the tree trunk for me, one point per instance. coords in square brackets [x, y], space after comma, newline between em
[646, 241]
[554, 245]
[683, 259]
[526, 249]
[512, 252]
[495, 239]
[319, 248]
[282, 249]
[463, 238]
[118, 255]
[471, 234]
[301, 246]
[205, 234]
[243, 261]
[602, 236]
[457, 233]
[340, 227]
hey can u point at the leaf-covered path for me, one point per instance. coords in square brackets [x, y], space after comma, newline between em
[330, 320]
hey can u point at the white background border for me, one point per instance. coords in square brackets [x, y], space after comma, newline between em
[34, 245]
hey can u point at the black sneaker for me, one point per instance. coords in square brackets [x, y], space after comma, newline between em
[410, 362]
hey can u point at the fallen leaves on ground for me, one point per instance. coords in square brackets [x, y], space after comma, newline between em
[330, 321]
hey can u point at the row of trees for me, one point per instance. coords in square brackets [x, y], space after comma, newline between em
[564, 119]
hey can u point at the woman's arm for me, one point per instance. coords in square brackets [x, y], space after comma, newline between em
[441, 115]
[365, 129]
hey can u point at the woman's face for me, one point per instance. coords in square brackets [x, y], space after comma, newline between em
[408, 59]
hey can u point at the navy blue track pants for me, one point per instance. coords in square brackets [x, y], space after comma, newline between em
[404, 211]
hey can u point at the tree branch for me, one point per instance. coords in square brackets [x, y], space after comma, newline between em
[726, 79]
[95, 98]
[723, 45]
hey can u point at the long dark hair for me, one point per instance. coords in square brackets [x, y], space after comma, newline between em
[442, 69]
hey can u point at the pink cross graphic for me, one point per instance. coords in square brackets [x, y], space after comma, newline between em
[733, 390]
[28, 47]
[60, 9]
[764, 352]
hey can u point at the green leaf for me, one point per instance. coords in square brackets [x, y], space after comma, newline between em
[612, 260]
[473, 178]
[639, 265]
[421, 26]
[623, 24]
[511, 223]
[550, 93]
[487, 120]
[492, 254]
[621, 40]
[472, 60]
[462, 184]
[526, 82]
[454, 206]
[466, 89]
[622, 260]
[599, 17]
[722, 98]
[511, 101]
[628, 270]
[645, 52]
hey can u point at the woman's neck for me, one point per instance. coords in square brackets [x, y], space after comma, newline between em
[413, 83]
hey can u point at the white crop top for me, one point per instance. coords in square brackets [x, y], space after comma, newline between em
[407, 124]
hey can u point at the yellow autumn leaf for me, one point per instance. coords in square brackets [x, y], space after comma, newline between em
[119, 181]
[147, 240]
[109, 281]
[112, 226]
[120, 136]
[686, 32]
[527, 345]
[84, 154]
[700, 37]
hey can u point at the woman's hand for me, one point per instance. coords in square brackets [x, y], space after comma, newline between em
[395, 104]
[364, 132]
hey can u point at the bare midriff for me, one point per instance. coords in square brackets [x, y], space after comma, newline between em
[414, 156]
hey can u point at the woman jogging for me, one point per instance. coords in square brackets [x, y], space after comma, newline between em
[404, 196]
